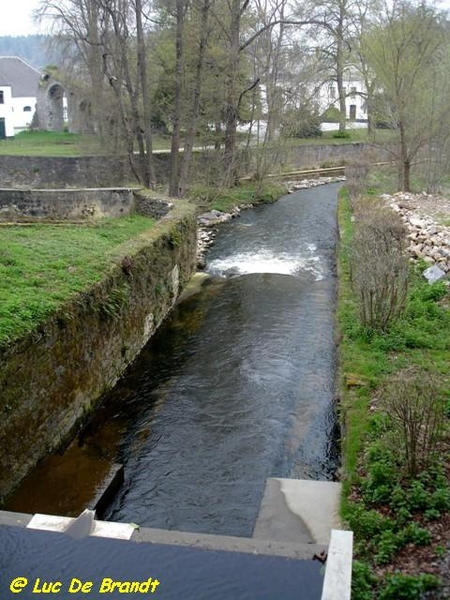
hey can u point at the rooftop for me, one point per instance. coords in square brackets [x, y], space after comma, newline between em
[22, 78]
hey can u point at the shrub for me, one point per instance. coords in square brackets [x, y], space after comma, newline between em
[407, 587]
[379, 266]
[356, 178]
[362, 581]
[302, 122]
[418, 413]
[331, 115]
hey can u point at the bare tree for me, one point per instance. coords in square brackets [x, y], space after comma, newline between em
[406, 50]
[205, 8]
[110, 40]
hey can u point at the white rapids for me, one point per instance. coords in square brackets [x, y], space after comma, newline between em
[264, 261]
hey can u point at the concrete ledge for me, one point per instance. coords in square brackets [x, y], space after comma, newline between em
[129, 531]
[298, 510]
[108, 490]
[338, 574]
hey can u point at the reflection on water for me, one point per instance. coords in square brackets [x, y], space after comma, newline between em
[182, 572]
[238, 385]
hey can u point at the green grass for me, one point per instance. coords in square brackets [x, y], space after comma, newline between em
[209, 198]
[53, 143]
[385, 508]
[49, 143]
[42, 266]
[421, 337]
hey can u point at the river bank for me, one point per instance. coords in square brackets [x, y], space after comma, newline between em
[401, 524]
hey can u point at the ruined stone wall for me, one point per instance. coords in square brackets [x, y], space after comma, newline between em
[67, 204]
[53, 378]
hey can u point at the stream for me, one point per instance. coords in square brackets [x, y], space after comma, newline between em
[238, 385]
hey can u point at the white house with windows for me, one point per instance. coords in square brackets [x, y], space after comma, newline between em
[355, 97]
[18, 90]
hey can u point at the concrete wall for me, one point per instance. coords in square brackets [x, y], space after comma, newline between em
[53, 378]
[66, 204]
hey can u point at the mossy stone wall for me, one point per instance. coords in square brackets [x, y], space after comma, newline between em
[53, 378]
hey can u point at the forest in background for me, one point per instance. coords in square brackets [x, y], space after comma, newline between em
[33, 49]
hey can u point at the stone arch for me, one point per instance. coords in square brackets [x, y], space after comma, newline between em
[55, 107]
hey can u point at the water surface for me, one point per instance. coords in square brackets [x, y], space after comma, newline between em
[237, 386]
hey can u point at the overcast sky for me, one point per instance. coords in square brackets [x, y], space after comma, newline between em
[16, 19]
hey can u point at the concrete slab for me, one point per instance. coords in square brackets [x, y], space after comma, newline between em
[299, 510]
[106, 529]
[14, 518]
[276, 521]
[118, 531]
[50, 522]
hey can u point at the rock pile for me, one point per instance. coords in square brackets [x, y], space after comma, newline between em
[428, 239]
[304, 184]
[206, 232]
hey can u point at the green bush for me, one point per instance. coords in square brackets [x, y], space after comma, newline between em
[407, 587]
[303, 122]
[363, 581]
[342, 135]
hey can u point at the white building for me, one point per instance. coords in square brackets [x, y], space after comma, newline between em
[355, 96]
[18, 90]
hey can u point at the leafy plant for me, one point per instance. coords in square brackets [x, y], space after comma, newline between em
[407, 587]
[363, 581]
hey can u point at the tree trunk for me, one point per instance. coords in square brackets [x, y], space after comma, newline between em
[340, 66]
[218, 131]
[231, 116]
[149, 170]
[190, 135]
[405, 163]
[176, 118]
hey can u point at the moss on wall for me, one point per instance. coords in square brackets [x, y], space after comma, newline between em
[53, 378]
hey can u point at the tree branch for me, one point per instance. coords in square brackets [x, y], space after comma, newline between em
[253, 37]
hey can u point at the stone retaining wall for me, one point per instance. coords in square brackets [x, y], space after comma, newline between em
[53, 378]
[108, 171]
[65, 205]
[80, 204]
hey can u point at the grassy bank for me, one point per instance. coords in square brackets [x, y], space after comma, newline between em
[225, 199]
[41, 266]
[400, 517]
[55, 143]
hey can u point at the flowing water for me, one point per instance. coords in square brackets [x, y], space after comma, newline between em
[237, 386]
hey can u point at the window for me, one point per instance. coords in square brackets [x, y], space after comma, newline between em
[2, 97]
[353, 92]
[27, 109]
[332, 91]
